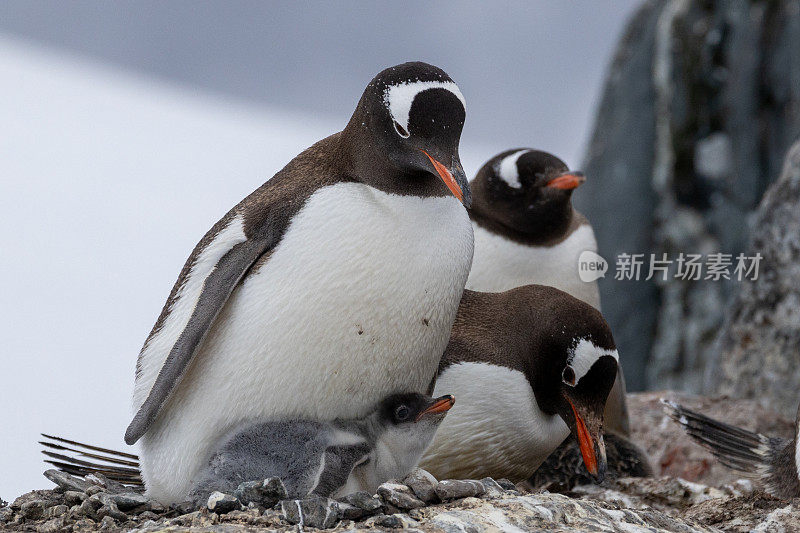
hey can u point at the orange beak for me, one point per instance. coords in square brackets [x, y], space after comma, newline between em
[447, 177]
[586, 443]
[440, 405]
[567, 182]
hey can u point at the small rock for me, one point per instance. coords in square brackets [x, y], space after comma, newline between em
[110, 509]
[492, 488]
[506, 484]
[6, 514]
[73, 497]
[221, 503]
[453, 489]
[183, 507]
[148, 515]
[364, 501]
[129, 500]
[84, 524]
[32, 510]
[422, 484]
[351, 512]
[94, 489]
[107, 523]
[56, 510]
[400, 496]
[394, 521]
[109, 485]
[51, 526]
[317, 512]
[265, 493]
[66, 481]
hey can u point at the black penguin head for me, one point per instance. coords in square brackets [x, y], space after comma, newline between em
[411, 408]
[527, 191]
[405, 132]
[573, 371]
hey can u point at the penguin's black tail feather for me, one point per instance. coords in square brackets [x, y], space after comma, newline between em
[116, 466]
[735, 447]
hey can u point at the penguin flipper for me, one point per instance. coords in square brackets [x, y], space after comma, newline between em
[217, 288]
[339, 462]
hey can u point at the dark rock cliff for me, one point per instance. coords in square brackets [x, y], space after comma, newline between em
[701, 103]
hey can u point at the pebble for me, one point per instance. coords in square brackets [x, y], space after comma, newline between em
[6, 514]
[107, 523]
[129, 500]
[454, 489]
[265, 493]
[66, 481]
[56, 510]
[51, 526]
[506, 484]
[221, 503]
[110, 485]
[94, 489]
[422, 484]
[316, 512]
[393, 521]
[364, 500]
[400, 496]
[73, 497]
[32, 509]
[492, 488]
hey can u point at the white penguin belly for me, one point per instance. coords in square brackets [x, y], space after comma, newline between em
[495, 427]
[355, 303]
[501, 264]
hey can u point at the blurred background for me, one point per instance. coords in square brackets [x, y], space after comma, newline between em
[130, 127]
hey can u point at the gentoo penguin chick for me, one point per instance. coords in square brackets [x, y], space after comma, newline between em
[327, 458]
[529, 366]
[324, 458]
[772, 460]
[526, 230]
[337, 281]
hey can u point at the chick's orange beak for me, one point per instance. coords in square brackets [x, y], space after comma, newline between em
[447, 177]
[440, 405]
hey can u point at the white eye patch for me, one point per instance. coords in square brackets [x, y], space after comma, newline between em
[507, 171]
[585, 354]
[398, 98]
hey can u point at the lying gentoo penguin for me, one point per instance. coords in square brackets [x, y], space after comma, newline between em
[772, 460]
[527, 232]
[322, 458]
[528, 367]
[336, 282]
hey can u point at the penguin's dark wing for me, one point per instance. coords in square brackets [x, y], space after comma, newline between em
[217, 288]
[339, 461]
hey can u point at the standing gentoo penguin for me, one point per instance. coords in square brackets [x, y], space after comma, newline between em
[336, 282]
[528, 367]
[327, 458]
[527, 232]
[772, 460]
[324, 458]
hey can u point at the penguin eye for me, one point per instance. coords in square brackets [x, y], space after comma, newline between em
[568, 376]
[401, 413]
[401, 131]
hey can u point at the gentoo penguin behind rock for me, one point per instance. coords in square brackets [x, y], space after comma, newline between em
[526, 230]
[337, 281]
[323, 458]
[529, 366]
[772, 460]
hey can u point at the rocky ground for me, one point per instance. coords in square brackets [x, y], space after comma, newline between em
[690, 493]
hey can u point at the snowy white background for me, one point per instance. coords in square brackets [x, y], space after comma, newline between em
[111, 171]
